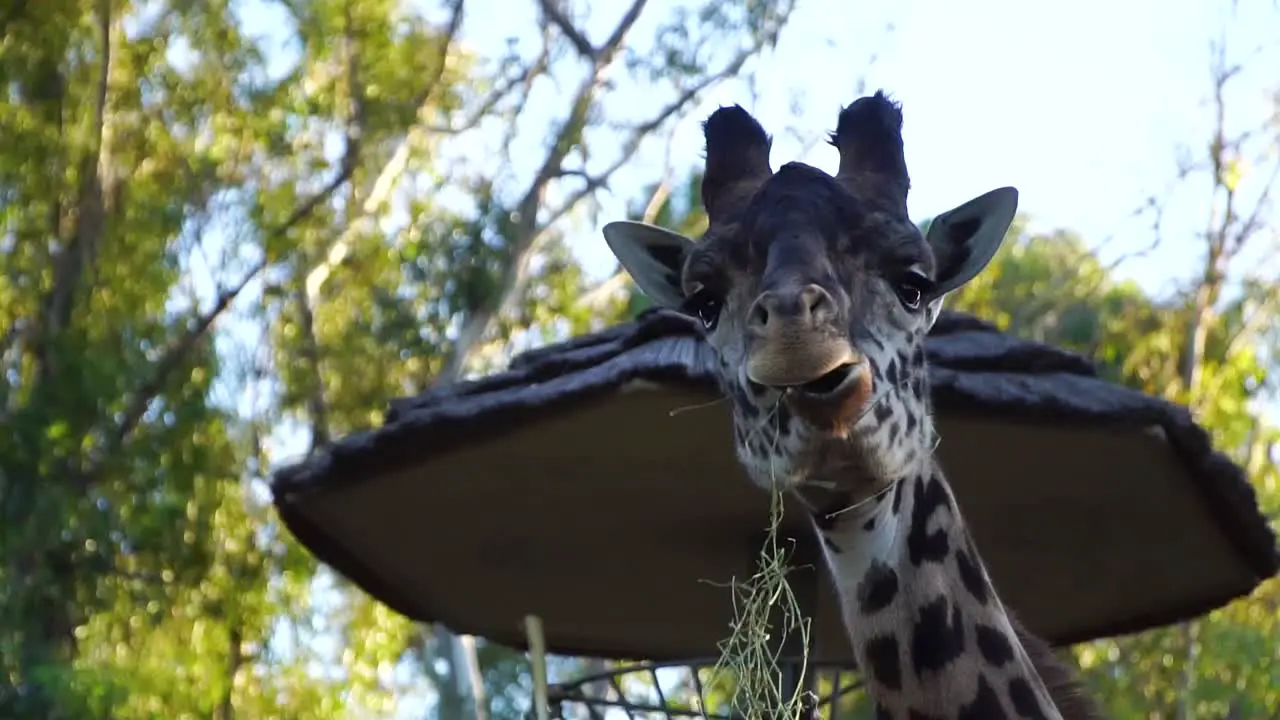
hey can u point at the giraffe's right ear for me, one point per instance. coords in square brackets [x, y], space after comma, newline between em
[653, 256]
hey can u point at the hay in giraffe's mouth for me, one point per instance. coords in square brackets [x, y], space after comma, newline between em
[766, 610]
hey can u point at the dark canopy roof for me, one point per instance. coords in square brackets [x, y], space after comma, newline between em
[567, 487]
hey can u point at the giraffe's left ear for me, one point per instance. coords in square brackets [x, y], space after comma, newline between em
[653, 256]
[965, 238]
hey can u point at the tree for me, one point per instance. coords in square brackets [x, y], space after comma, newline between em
[146, 144]
[207, 239]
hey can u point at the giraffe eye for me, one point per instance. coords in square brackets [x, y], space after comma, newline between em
[705, 305]
[911, 289]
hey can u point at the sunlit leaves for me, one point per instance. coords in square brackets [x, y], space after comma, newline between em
[127, 537]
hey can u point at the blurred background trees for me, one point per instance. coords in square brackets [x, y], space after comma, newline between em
[232, 231]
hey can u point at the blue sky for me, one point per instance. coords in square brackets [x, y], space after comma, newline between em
[1081, 105]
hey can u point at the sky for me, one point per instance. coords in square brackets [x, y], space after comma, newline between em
[1082, 106]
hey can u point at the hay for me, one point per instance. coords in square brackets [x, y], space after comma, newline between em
[751, 653]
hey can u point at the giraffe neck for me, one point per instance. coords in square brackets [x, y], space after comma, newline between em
[932, 638]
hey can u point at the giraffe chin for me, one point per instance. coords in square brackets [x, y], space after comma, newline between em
[833, 412]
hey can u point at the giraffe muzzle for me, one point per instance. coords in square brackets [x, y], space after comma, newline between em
[831, 400]
[802, 362]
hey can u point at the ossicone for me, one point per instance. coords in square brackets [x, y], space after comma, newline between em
[737, 158]
[872, 163]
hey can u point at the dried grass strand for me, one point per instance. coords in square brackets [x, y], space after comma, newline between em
[750, 656]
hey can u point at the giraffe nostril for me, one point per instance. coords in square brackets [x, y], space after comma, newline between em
[793, 307]
[819, 303]
[759, 315]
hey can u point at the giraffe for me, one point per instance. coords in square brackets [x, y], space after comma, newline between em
[816, 293]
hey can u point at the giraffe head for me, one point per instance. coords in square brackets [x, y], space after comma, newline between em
[816, 293]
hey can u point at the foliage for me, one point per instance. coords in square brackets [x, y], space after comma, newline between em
[216, 218]
[150, 152]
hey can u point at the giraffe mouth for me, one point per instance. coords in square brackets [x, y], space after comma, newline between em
[833, 401]
[829, 383]
[828, 395]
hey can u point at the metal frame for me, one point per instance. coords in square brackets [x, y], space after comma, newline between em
[798, 672]
[579, 700]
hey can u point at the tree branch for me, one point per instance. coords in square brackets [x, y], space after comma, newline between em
[389, 176]
[596, 297]
[526, 228]
[472, 120]
[1256, 220]
[1225, 237]
[235, 658]
[536, 69]
[177, 351]
[614, 43]
[75, 257]
[317, 408]
[551, 9]
[1254, 322]
[475, 677]
[1216, 234]
[529, 232]
[657, 200]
